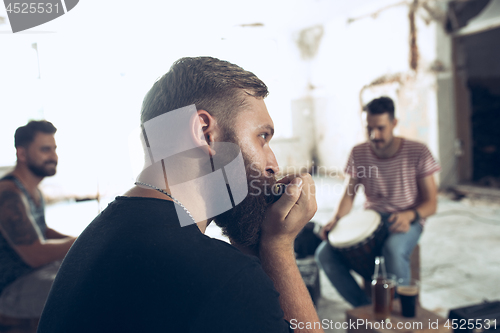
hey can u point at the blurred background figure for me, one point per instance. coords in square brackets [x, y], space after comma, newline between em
[397, 175]
[30, 252]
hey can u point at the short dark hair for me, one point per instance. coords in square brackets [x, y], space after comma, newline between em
[26, 134]
[381, 105]
[211, 84]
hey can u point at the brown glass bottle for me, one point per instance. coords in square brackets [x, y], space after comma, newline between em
[381, 291]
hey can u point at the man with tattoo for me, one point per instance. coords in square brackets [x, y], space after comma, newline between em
[30, 252]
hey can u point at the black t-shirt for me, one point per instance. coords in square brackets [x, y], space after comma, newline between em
[135, 269]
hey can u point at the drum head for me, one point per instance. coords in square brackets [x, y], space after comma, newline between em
[354, 228]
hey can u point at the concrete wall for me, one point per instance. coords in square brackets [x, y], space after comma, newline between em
[447, 136]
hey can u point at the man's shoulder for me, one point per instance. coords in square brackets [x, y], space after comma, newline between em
[412, 144]
[414, 148]
[8, 184]
[363, 147]
[8, 189]
[152, 227]
[150, 230]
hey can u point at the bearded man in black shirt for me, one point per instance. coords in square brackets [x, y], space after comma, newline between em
[145, 265]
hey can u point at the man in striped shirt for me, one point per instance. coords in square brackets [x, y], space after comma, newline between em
[397, 175]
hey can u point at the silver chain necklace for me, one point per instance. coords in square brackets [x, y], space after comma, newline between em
[169, 195]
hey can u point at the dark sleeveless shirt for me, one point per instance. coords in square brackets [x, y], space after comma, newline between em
[11, 264]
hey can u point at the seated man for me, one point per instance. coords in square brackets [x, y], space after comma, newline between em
[400, 186]
[30, 252]
[145, 265]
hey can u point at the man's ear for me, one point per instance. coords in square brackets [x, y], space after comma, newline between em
[205, 130]
[394, 122]
[21, 154]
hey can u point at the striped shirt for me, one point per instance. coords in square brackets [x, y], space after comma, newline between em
[391, 183]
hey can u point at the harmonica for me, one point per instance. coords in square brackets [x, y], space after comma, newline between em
[277, 191]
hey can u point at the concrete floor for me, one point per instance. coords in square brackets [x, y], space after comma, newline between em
[460, 252]
[459, 249]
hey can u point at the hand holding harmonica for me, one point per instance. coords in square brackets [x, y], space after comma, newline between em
[288, 215]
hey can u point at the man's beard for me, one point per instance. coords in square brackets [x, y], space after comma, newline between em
[242, 224]
[42, 170]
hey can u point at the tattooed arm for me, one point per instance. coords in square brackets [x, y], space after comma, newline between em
[18, 227]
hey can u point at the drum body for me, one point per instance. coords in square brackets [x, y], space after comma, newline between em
[359, 237]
